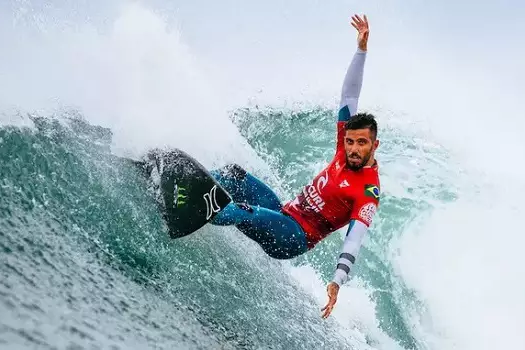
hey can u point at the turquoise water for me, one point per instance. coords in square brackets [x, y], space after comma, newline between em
[86, 259]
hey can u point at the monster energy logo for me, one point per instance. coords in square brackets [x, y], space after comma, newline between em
[179, 195]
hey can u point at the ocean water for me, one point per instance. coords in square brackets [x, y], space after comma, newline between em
[85, 259]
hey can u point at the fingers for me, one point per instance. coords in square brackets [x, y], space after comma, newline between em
[327, 310]
[355, 23]
[358, 22]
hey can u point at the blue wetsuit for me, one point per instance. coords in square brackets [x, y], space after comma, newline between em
[279, 235]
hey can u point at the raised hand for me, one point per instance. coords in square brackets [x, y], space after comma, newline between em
[361, 24]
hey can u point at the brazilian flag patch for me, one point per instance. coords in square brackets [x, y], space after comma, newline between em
[372, 191]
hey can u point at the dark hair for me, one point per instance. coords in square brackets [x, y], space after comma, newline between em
[363, 121]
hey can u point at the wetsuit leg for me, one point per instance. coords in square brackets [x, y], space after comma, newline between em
[244, 187]
[279, 235]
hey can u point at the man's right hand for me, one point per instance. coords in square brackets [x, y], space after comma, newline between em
[361, 24]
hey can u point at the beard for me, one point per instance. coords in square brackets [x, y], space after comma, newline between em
[357, 165]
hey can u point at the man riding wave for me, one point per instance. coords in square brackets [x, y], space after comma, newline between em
[345, 192]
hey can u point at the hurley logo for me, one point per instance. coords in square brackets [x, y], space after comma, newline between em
[211, 202]
[344, 184]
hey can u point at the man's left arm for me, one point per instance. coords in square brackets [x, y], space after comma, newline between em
[360, 221]
[351, 246]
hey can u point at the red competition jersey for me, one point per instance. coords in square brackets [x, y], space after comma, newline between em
[336, 196]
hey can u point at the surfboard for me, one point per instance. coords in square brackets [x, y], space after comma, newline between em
[189, 194]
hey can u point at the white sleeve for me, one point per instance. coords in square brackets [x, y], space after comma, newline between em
[352, 84]
[351, 246]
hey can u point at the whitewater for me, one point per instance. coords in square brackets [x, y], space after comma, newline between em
[85, 259]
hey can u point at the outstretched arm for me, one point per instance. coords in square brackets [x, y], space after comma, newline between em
[351, 246]
[354, 238]
[352, 86]
[363, 212]
[353, 79]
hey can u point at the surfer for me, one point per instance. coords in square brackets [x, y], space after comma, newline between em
[346, 192]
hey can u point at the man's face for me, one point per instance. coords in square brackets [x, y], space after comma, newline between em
[359, 147]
